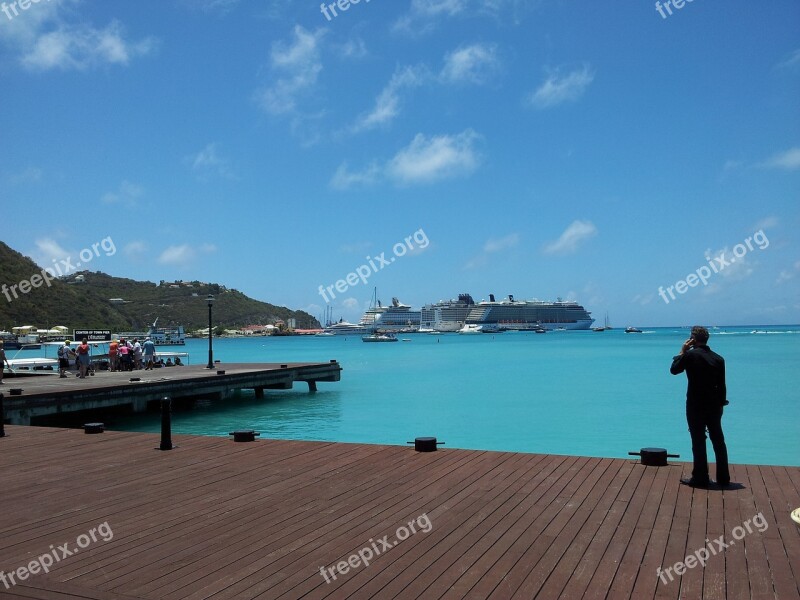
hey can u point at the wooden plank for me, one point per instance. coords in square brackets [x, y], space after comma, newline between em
[217, 519]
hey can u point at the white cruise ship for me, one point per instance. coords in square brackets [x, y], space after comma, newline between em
[446, 315]
[396, 318]
[530, 314]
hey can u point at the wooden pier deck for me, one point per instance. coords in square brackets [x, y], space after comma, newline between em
[49, 394]
[219, 519]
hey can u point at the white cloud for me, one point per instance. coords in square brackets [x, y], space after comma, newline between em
[787, 274]
[497, 245]
[424, 160]
[128, 193]
[344, 179]
[135, 251]
[387, 104]
[736, 269]
[766, 223]
[45, 40]
[572, 238]
[49, 250]
[424, 15]
[300, 65]
[788, 160]
[643, 299]
[350, 303]
[213, 6]
[791, 61]
[439, 157]
[470, 64]
[558, 89]
[355, 248]
[184, 254]
[492, 246]
[209, 162]
[353, 48]
[29, 175]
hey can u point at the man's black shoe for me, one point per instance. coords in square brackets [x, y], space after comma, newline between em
[695, 483]
[724, 483]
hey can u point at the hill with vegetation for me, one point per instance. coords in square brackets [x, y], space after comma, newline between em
[94, 300]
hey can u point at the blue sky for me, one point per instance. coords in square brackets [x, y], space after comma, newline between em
[595, 151]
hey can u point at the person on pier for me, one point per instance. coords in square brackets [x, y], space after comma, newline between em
[706, 395]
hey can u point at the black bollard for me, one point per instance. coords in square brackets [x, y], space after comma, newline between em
[166, 424]
[2, 415]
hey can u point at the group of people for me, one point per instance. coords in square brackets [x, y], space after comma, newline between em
[123, 355]
[82, 355]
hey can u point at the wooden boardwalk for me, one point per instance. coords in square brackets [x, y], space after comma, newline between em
[46, 395]
[218, 519]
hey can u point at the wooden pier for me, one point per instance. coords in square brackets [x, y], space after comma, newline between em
[49, 394]
[219, 519]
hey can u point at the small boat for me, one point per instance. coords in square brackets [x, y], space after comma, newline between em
[379, 337]
[632, 330]
[492, 329]
[470, 328]
[324, 334]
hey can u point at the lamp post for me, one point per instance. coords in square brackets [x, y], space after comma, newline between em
[210, 300]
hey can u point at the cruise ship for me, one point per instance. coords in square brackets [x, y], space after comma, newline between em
[446, 315]
[396, 318]
[530, 314]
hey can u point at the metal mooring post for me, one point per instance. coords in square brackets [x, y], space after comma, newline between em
[166, 424]
[2, 415]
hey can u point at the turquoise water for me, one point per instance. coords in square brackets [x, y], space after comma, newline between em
[579, 393]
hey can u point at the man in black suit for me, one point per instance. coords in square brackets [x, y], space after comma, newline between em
[705, 399]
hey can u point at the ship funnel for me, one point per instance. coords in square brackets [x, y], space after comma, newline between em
[511, 297]
[491, 297]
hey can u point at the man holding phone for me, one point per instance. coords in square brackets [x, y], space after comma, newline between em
[706, 395]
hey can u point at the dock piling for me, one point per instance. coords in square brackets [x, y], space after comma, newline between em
[166, 424]
[2, 415]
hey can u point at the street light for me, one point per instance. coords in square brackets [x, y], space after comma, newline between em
[210, 300]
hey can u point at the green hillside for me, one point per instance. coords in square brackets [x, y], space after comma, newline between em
[86, 305]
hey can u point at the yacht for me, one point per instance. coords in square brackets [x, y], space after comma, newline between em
[379, 337]
[345, 328]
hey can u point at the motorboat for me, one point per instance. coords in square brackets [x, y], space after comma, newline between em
[632, 330]
[379, 337]
[470, 328]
